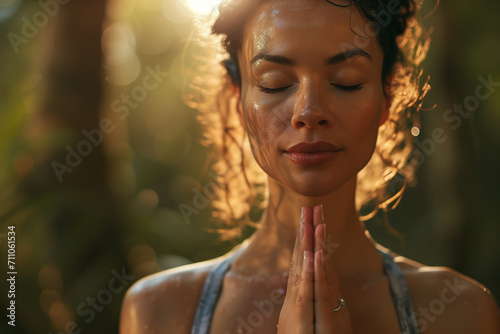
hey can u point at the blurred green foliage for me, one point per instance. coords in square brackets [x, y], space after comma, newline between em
[73, 236]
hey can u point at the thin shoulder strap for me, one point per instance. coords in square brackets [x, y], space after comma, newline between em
[400, 295]
[209, 296]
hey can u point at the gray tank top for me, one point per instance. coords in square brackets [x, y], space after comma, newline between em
[213, 286]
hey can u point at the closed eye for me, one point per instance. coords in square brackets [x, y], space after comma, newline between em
[273, 90]
[352, 88]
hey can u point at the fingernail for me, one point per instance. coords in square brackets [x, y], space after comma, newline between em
[301, 214]
[322, 214]
[321, 256]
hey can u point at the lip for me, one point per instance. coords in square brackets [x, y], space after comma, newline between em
[311, 153]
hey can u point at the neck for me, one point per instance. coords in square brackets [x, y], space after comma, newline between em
[351, 250]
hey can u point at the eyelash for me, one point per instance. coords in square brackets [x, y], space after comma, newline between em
[352, 88]
[273, 90]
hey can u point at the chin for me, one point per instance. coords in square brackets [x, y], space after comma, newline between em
[314, 187]
[313, 192]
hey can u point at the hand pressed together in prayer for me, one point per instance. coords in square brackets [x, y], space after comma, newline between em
[313, 302]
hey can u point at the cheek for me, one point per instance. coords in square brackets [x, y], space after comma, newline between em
[265, 125]
[362, 128]
[264, 119]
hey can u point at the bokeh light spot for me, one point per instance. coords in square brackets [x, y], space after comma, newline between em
[148, 198]
[142, 259]
[119, 45]
[47, 300]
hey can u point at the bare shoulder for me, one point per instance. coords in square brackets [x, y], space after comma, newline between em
[164, 302]
[445, 301]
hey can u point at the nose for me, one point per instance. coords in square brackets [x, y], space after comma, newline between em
[310, 110]
[310, 118]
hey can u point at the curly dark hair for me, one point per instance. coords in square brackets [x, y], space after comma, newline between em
[404, 43]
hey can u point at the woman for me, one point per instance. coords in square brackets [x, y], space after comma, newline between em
[314, 84]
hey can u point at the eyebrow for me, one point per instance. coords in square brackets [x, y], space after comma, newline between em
[273, 59]
[348, 54]
[339, 57]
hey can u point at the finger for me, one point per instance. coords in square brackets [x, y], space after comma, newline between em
[305, 294]
[327, 272]
[307, 241]
[327, 291]
[323, 297]
[297, 314]
[318, 220]
[318, 215]
[303, 243]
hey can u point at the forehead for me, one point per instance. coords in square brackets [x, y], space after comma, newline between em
[314, 25]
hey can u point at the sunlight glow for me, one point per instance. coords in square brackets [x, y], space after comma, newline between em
[201, 7]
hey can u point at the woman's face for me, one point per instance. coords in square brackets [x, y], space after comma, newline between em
[307, 77]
